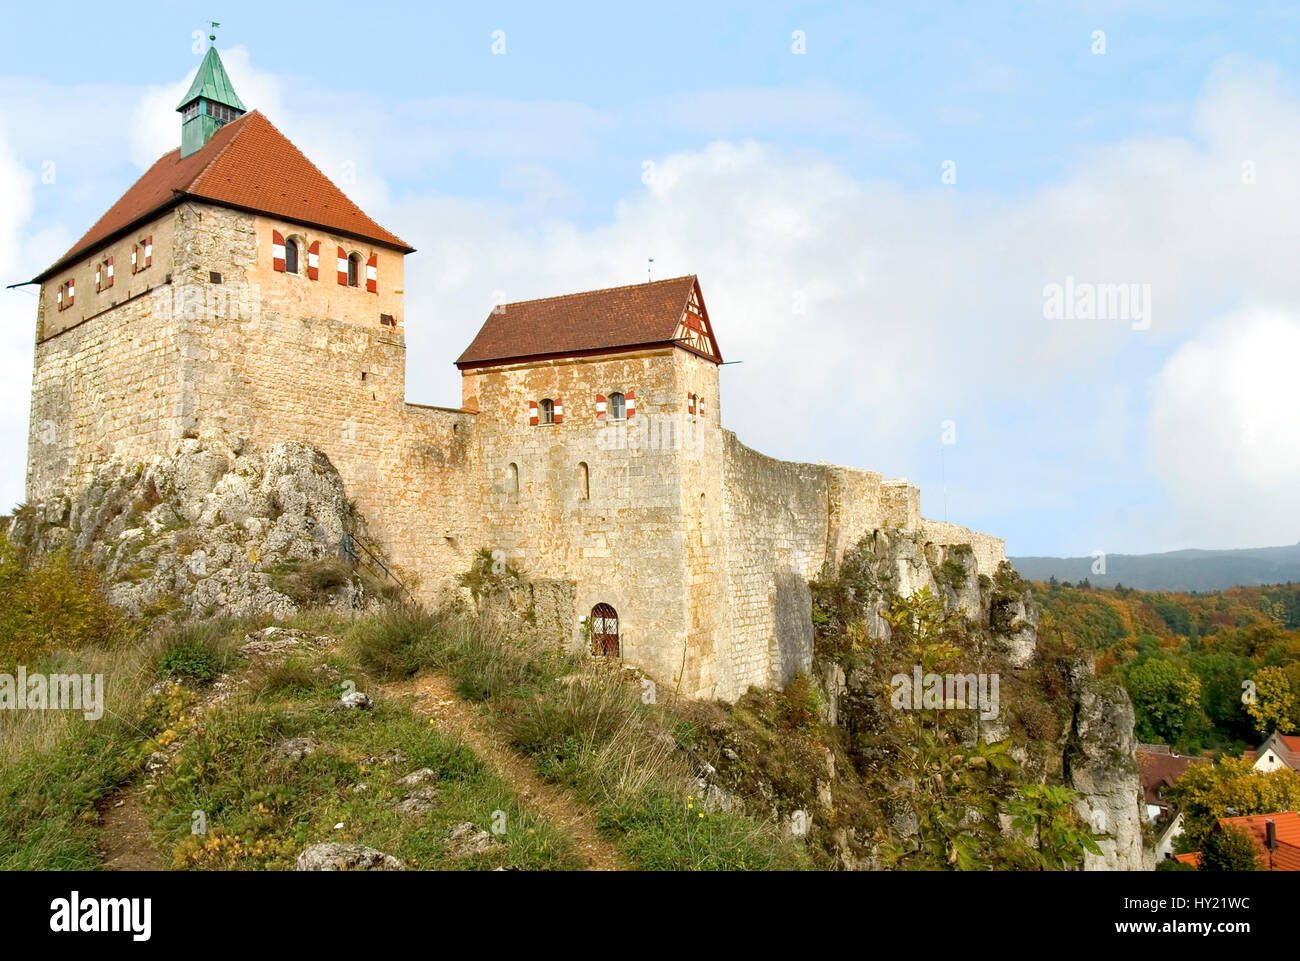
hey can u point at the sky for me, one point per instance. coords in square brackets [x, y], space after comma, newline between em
[912, 223]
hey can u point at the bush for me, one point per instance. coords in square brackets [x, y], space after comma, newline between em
[52, 603]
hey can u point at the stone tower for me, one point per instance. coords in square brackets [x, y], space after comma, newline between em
[234, 286]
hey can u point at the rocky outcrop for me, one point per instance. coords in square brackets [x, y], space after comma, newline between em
[216, 528]
[872, 784]
[1099, 760]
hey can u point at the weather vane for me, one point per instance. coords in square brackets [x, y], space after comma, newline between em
[213, 35]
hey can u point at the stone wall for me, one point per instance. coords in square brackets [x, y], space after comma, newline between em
[107, 388]
[703, 546]
[989, 551]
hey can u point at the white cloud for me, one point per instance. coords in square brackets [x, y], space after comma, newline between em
[1224, 431]
[17, 321]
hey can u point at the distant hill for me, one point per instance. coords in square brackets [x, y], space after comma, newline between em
[1173, 571]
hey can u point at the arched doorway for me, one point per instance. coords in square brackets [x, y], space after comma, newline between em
[604, 630]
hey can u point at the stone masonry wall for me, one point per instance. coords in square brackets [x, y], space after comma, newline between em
[596, 502]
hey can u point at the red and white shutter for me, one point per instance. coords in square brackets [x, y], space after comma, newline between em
[148, 250]
[690, 403]
[313, 261]
[99, 279]
[532, 413]
[630, 409]
[343, 267]
[135, 259]
[372, 274]
[277, 250]
[109, 271]
[559, 411]
[600, 407]
[72, 292]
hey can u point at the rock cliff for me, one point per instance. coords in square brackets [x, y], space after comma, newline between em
[217, 528]
[880, 784]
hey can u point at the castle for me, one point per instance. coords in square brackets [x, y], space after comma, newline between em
[234, 287]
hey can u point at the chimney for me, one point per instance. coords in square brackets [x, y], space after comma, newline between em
[1270, 834]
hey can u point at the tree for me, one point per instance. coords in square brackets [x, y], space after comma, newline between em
[1229, 849]
[1164, 695]
[1274, 704]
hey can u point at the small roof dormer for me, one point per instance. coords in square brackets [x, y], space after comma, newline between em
[210, 104]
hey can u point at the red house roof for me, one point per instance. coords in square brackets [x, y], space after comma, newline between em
[249, 165]
[597, 321]
[1286, 824]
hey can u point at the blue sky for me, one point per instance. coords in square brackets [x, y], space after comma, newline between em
[694, 134]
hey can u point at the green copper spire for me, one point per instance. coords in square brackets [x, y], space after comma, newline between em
[210, 103]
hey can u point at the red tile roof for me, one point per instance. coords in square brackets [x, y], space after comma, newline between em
[616, 318]
[1287, 829]
[1194, 859]
[247, 164]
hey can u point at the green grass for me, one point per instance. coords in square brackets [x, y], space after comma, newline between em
[262, 811]
[589, 732]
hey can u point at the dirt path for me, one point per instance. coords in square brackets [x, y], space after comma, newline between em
[435, 696]
[124, 843]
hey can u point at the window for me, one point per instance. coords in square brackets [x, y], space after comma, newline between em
[219, 112]
[190, 112]
[291, 256]
[66, 292]
[354, 270]
[584, 481]
[142, 255]
[546, 411]
[387, 320]
[617, 406]
[512, 482]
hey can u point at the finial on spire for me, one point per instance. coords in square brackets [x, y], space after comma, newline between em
[212, 37]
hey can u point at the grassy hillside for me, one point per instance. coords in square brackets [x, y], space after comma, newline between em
[1188, 659]
[229, 742]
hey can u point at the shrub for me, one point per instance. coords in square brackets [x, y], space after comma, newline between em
[51, 603]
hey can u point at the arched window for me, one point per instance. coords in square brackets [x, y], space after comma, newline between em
[546, 411]
[584, 481]
[512, 481]
[354, 270]
[617, 406]
[291, 256]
